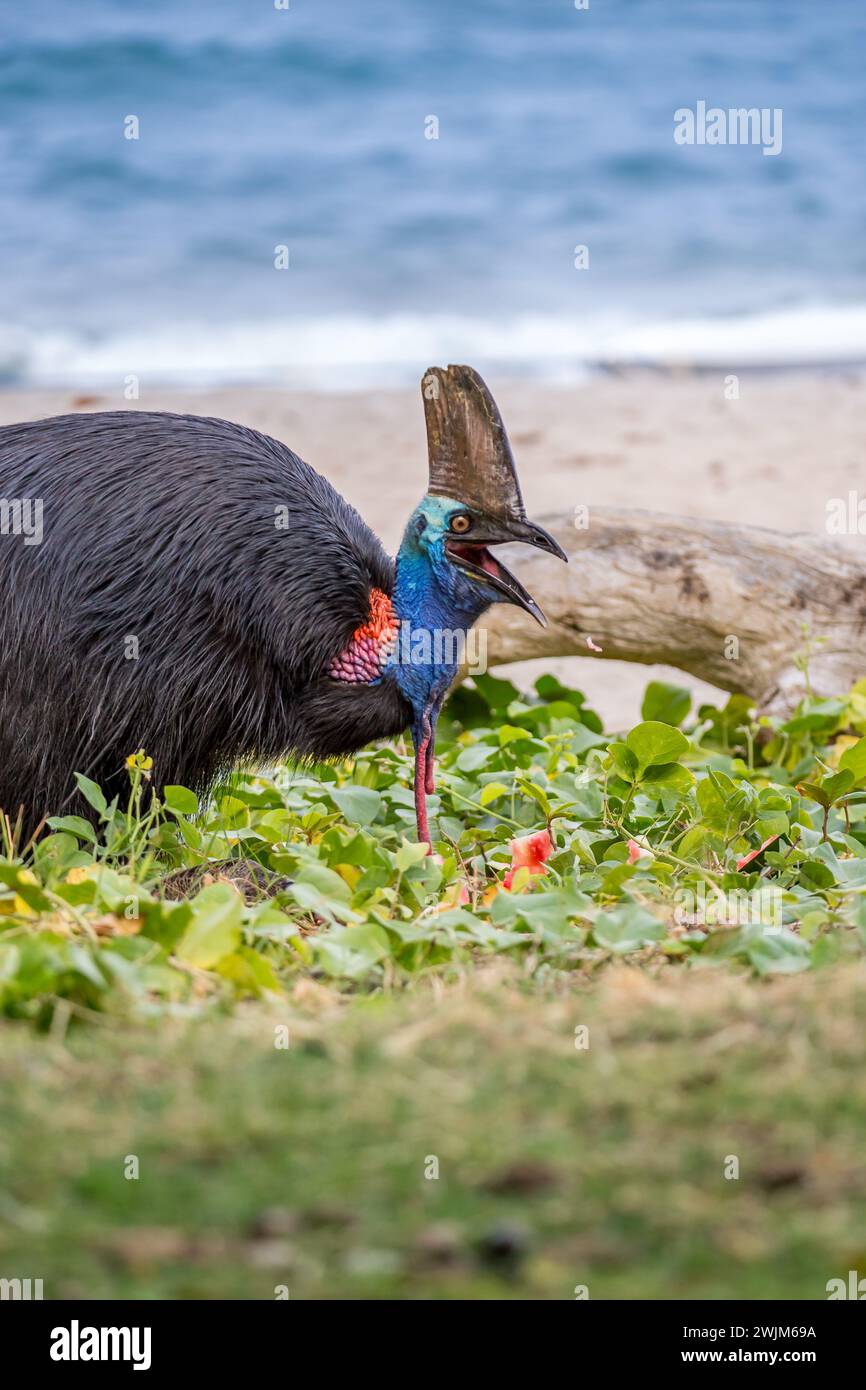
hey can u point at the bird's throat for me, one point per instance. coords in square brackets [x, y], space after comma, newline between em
[430, 648]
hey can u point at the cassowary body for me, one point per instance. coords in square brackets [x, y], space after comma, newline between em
[202, 593]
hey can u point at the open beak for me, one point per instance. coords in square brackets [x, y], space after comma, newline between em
[475, 559]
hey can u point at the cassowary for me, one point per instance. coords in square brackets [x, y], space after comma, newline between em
[201, 592]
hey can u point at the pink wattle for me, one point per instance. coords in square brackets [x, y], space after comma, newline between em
[363, 659]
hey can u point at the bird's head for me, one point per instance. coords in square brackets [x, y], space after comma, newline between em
[447, 574]
[473, 502]
[453, 539]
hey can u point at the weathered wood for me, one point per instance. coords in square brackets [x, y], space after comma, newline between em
[732, 605]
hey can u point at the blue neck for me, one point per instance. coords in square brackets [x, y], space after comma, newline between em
[433, 601]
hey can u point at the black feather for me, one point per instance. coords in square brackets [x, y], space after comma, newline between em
[163, 528]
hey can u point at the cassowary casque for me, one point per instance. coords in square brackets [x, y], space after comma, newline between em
[201, 592]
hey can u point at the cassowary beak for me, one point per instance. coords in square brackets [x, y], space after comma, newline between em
[474, 558]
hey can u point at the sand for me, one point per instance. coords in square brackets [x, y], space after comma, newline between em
[773, 457]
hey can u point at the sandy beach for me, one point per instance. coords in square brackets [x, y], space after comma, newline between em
[772, 457]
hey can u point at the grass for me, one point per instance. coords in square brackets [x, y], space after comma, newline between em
[692, 894]
[304, 1167]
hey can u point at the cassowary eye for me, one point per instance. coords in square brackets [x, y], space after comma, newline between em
[460, 523]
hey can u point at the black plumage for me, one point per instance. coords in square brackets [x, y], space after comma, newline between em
[194, 580]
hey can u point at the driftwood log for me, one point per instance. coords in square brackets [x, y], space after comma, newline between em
[733, 605]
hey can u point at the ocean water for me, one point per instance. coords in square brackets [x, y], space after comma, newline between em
[306, 128]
